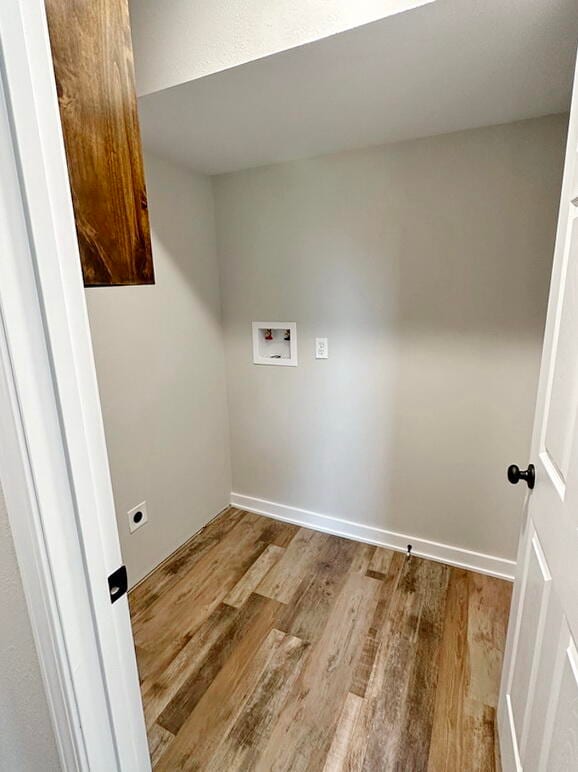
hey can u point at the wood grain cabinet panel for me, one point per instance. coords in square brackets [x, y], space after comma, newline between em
[93, 64]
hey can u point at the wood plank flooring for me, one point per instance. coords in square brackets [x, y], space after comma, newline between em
[264, 646]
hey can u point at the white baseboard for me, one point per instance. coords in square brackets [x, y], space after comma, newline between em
[443, 553]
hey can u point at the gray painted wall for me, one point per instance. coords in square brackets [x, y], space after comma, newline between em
[26, 737]
[161, 373]
[427, 264]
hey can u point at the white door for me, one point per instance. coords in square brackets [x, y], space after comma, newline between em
[538, 707]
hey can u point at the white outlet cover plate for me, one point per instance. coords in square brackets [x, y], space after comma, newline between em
[321, 348]
[142, 507]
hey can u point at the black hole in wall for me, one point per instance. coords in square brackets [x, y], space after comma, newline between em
[137, 517]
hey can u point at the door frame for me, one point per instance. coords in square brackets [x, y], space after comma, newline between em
[53, 458]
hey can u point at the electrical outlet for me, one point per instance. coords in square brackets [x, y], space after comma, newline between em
[321, 348]
[137, 516]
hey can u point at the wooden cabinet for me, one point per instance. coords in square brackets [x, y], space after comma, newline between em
[93, 64]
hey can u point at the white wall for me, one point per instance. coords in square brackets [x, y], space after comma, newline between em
[179, 40]
[26, 737]
[426, 264]
[161, 373]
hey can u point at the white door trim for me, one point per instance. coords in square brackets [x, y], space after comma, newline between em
[53, 460]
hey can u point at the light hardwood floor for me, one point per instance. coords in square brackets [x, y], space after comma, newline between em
[264, 646]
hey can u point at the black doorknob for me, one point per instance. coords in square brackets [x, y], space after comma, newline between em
[515, 474]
